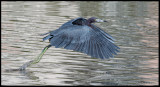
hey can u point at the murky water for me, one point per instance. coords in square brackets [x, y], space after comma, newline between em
[133, 24]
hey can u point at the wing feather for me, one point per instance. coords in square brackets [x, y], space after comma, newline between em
[93, 42]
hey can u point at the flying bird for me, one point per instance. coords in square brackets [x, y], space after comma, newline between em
[82, 35]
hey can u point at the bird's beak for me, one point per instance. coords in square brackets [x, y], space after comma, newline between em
[99, 20]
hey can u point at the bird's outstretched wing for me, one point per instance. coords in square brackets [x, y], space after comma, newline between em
[93, 42]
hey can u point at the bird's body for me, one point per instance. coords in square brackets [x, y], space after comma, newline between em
[81, 35]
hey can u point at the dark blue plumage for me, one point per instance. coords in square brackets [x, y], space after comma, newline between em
[81, 35]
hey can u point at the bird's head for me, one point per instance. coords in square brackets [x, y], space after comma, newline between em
[94, 19]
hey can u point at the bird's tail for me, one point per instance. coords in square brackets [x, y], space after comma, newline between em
[47, 37]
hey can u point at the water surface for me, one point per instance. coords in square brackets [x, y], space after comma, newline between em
[134, 25]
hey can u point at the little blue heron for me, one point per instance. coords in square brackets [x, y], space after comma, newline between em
[80, 35]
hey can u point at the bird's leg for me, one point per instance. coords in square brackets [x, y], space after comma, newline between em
[40, 55]
[24, 66]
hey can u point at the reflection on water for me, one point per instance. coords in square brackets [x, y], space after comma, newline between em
[133, 24]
